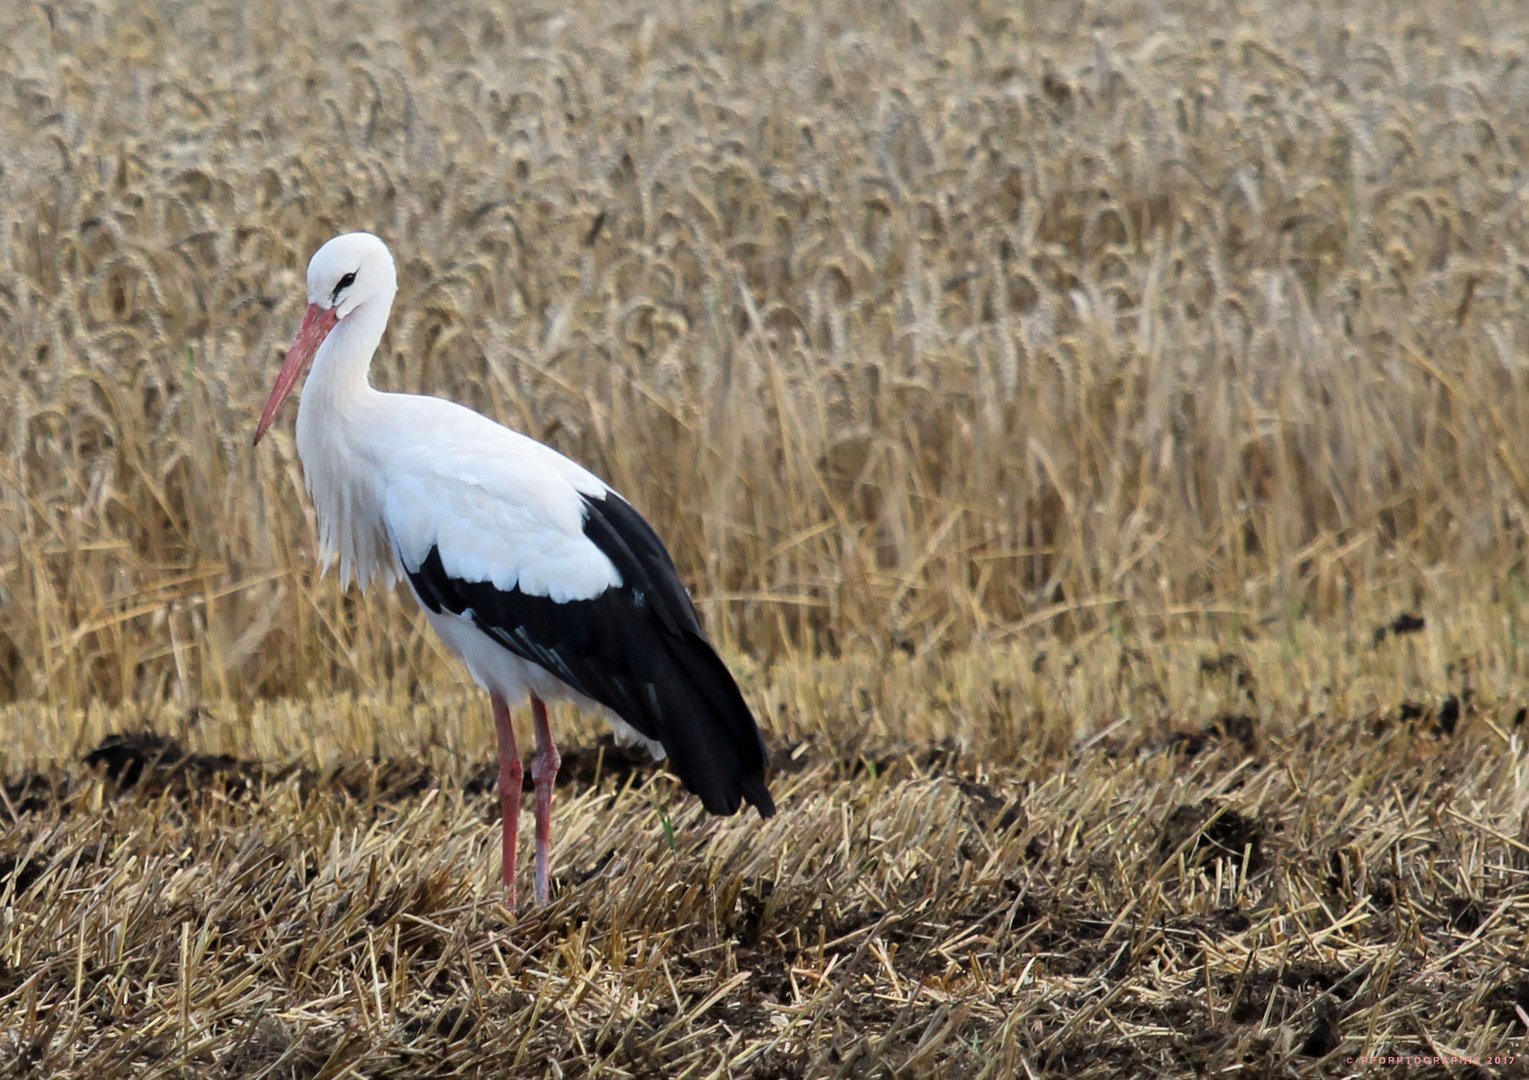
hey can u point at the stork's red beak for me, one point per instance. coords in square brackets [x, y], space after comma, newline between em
[316, 326]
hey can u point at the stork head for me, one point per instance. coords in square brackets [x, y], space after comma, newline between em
[344, 276]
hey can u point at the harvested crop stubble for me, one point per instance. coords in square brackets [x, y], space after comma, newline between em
[987, 863]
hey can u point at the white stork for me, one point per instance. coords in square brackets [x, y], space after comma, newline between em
[542, 579]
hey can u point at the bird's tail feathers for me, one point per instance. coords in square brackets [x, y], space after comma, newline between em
[709, 732]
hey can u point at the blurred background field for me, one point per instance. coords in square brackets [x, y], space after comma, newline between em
[1119, 407]
[914, 325]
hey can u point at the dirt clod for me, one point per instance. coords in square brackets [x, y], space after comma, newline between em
[158, 763]
[1408, 622]
[1207, 831]
[1448, 716]
[1323, 1037]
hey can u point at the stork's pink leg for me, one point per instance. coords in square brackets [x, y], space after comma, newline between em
[510, 774]
[544, 772]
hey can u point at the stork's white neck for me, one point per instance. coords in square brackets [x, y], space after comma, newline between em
[335, 425]
[339, 373]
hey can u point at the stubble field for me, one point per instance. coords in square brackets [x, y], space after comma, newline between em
[1096, 433]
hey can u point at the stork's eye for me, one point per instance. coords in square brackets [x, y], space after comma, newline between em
[345, 282]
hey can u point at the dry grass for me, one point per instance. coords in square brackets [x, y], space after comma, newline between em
[988, 366]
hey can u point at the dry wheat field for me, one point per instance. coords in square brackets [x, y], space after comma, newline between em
[1096, 432]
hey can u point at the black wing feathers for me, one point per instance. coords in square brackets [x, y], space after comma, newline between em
[637, 649]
